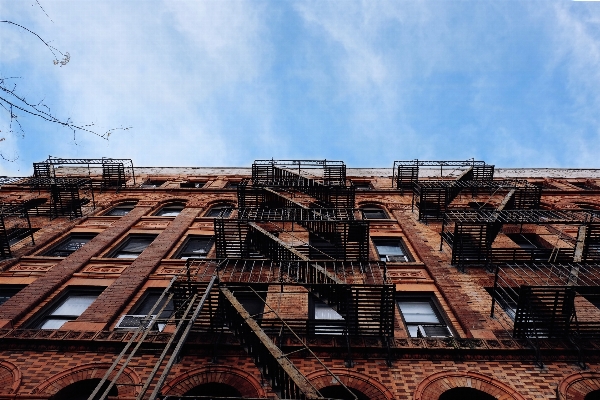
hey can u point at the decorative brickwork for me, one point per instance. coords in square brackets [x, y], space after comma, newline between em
[10, 378]
[244, 382]
[432, 387]
[577, 386]
[126, 384]
[367, 385]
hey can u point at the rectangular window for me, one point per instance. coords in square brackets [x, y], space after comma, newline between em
[374, 213]
[68, 308]
[142, 310]
[120, 210]
[327, 320]
[133, 246]
[74, 242]
[422, 318]
[192, 185]
[8, 291]
[196, 247]
[15, 235]
[220, 211]
[392, 250]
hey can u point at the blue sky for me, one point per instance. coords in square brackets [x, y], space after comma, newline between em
[221, 83]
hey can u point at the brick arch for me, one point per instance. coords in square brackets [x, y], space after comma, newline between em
[433, 386]
[244, 382]
[125, 383]
[10, 377]
[373, 389]
[578, 385]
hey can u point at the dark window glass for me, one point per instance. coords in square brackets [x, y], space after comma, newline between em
[81, 390]
[141, 311]
[120, 210]
[220, 211]
[391, 250]
[133, 246]
[68, 308]
[193, 185]
[8, 291]
[422, 318]
[374, 213]
[170, 210]
[15, 235]
[196, 247]
[71, 244]
[362, 185]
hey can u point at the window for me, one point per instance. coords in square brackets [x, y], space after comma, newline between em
[8, 291]
[327, 320]
[196, 247]
[150, 184]
[15, 235]
[232, 185]
[422, 318]
[362, 185]
[120, 210]
[192, 185]
[392, 250]
[526, 240]
[171, 210]
[373, 212]
[71, 244]
[220, 211]
[68, 308]
[142, 310]
[133, 246]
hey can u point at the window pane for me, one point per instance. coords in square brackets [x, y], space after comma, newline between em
[53, 323]
[374, 213]
[418, 312]
[74, 305]
[390, 250]
[137, 244]
[119, 211]
[197, 247]
[219, 212]
[323, 311]
[70, 245]
[168, 213]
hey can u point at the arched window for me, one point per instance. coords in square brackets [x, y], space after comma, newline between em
[222, 210]
[594, 395]
[82, 390]
[214, 389]
[170, 210]
[341, 393]
[465, 393]
[121, 209]
[373, 212]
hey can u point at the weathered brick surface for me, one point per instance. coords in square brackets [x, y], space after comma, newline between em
[30, 296]
[114, 298]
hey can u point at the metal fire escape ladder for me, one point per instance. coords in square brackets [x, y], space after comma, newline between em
[178, 334]
[138, 337]
[284, 377]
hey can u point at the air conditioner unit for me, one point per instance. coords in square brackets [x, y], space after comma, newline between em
[134, 321]
[396, 259]
[433, 331]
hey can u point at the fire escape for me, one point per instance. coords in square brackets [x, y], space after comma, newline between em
[295, 233]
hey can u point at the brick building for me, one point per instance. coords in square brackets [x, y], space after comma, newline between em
[300, 280]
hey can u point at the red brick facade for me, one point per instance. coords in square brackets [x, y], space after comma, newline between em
[478, 353]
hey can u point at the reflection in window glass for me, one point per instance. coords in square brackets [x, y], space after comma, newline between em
[373, 213]
[134, 246]
[67, 310]
[422, 318]
[70, 245]
[220, 211]
[391, 250]
[170, 211]
[196, 247]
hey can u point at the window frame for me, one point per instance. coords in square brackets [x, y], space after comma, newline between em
[9, 290]
[122, 206]
[144, 302]
[193, 185]
[182, 249]
[324, 326]
[71, 236]
[408, 257]
[125, 242]
[219, 206]
[373, 208]
[362, 186]
[418, 327]
[47, 313]
[170, 206]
